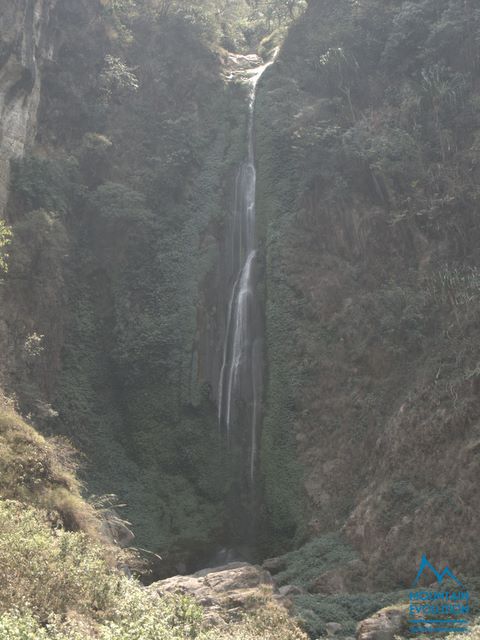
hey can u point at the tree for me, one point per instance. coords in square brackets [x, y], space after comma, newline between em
[279, 11]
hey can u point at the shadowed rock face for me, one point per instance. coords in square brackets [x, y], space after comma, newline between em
[24, 35]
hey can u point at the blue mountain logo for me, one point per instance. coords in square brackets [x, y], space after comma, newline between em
[440, 575]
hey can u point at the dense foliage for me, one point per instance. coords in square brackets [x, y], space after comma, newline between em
[113, 215]
[368, 188]
[367, 134]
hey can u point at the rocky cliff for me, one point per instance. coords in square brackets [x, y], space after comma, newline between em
[122, 131]
[370, 205]
[27, 43]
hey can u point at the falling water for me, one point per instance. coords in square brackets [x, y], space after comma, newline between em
[241, 375]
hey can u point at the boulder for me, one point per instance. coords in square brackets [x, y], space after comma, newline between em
[333, 628]
[225, 591]
[386, 624]
[290, 590]
[275, 565]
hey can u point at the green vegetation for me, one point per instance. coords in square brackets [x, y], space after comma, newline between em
[232, 25]
[305, 565]
[114, 214]
[347, 609]
[5, 239]
[45, 572]
[368, 195]
[58, 575]
[39, 472]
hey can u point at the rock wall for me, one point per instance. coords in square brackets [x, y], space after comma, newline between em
[25, 44]
[371, 232]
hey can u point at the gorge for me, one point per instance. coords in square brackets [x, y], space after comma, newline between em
[245, 287]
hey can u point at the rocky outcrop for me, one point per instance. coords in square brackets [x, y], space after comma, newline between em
[24, 43]
[275, 565]
[225, 592]
[386, 624]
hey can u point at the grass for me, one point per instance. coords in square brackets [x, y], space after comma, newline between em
[41, 473]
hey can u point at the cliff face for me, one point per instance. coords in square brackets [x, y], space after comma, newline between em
[26, 43]
[370, 206]
[117, 206]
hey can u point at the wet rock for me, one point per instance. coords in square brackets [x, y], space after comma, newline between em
[386, 624]
[241, 67]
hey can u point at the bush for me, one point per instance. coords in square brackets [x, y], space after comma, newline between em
[41, 473]
[46, 184]
[321, 554]
[5, 238]
[346, 609]
[45, 571]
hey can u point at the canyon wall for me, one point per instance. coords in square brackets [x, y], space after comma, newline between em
[367, 160]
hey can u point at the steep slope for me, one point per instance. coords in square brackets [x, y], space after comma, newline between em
[117, 216]
[368, 163]
[25, 46]
[58, 566]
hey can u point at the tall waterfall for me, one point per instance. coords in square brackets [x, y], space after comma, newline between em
[241, 375]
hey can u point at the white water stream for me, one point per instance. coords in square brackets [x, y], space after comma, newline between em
[241, 375]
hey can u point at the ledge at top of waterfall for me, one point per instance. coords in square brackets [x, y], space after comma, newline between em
[242, 68]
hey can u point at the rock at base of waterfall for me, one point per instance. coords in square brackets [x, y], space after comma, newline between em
[386, 624]
[332, 628]
[275, 565]
[225, 592]
[289, 590]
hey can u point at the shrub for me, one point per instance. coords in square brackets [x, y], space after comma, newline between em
[347, 609]
[41, 473]
[46, 184]
[314, 558]
[5, 239]
[45, 571]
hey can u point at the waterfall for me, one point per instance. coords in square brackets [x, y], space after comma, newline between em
[241, 374]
